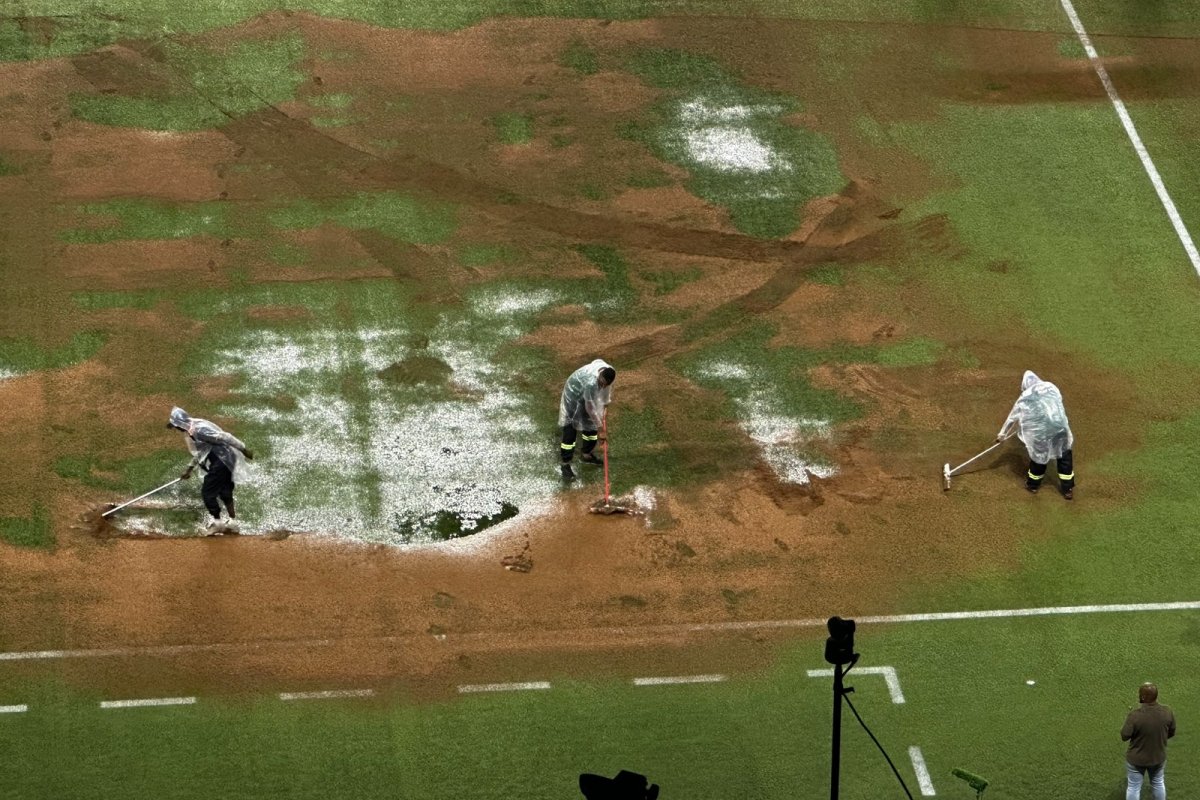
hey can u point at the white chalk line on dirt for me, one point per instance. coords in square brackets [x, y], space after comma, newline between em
[149, 701]
[677, 679]
[341, 694]
[642, 630]
[329, 694]
[1127, 122]
[888, 673]
[527, 686]
[923, 778]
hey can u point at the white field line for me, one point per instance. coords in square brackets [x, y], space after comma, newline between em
[678, 679]
[923, 779]
[19, 709]
[503, 687]
[149, 701]
[164, 649]
[1127, 122]
[641, 630]
[888, 673]
[327, 695]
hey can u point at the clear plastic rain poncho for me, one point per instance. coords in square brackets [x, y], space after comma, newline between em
[583, 400]
[1041, 418]
[206, 439]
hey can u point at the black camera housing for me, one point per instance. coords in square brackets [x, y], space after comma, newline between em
[626, 786]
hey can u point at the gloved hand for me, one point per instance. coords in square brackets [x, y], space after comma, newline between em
[187, 473]
[249, 454]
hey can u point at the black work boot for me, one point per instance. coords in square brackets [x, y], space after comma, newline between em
[1068, 491]
[568, 474]
[590, 458]
[1032, 485]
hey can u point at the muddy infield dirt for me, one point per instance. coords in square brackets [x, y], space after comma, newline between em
[744, 547]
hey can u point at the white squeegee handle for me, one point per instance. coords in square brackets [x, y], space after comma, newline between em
[139, 497]
[981, 455]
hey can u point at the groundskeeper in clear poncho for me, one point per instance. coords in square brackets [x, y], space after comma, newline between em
[1039, 419]
[217, 453]
[585, 397]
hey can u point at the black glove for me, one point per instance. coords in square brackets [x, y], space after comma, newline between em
[249, 454]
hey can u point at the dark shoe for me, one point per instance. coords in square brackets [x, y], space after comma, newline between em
[1032, 487]
[568, 474]
[591, 458]
[1069, 493]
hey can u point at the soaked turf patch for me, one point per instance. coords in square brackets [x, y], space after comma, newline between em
[394, 214]
[792, 422]
[20, 355]
[129, 477]
[614, 294]
[642, 454]
[579, 57]
[99, 301]
[486, 255]
[33, 531]
[205, 88]
[667, 281]
[181, 518]
[117, 220]
[789, 443]
[735, 141]
[409, 424]
[513, 128]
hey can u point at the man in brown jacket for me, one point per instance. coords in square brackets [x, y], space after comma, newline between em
[1147, 729]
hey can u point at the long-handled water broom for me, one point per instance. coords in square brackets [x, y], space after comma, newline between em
[115, 509]
[947, 473]
[607, 506]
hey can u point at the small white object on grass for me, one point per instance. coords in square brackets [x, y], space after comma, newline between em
[1030, 682]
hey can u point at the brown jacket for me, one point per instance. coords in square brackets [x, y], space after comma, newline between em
[1147, 729]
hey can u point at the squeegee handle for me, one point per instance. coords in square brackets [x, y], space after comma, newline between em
[981, 455]
[140, 497]
[604, 443]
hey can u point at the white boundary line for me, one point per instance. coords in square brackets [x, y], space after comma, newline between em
[888, 673]
[642, 630]
[923, 779]
[503, 687]
[1127, 122]
[19, 709]
[327, 695]
[678, 679]
[150, 701]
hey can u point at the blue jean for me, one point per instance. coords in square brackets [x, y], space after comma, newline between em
[1133, 789]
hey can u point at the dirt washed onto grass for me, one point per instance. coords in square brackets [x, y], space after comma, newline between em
[742, 546]
[98, 162]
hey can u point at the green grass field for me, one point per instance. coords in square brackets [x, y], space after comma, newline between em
[1058, 249]
[968, 704]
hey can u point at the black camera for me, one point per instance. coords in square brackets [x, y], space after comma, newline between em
[839, 647]
[626, 786]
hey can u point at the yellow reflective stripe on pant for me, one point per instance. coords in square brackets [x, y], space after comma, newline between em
[1070, 477]
[566, 446]
[587, 438]
[1033, 477]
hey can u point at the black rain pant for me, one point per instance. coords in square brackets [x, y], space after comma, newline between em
[218, 485]
[1066, 472]
[589, 436]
